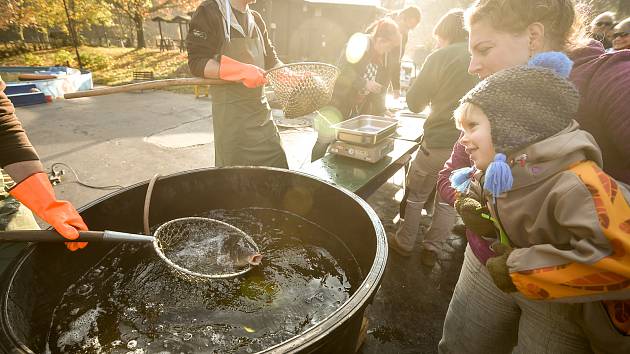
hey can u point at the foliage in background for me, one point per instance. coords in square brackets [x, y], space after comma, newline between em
[140, 10]
[18, 14]
[621, 7]
[31, 59]
[45, 15]
[109, 66]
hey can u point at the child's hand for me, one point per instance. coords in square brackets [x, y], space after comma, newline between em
[498, 268]
[471, 212]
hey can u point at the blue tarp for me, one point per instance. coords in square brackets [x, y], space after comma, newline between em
[68, 80]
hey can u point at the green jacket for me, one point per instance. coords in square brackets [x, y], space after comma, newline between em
[442, 81]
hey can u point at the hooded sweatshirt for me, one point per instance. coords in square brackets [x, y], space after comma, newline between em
[563, 250]
[14, 144]
[603, 80]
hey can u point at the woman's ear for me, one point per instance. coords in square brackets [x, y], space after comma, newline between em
[536, 34]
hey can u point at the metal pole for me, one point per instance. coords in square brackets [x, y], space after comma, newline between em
[73, 34]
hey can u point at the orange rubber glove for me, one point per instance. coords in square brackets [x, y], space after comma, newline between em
[37, 194]
[232, 70]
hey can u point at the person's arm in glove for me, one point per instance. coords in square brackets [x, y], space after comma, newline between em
[498, 269]
[37, 194]
[475, 216]
[233, 70]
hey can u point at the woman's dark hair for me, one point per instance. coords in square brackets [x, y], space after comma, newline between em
[411, 12]
[564, 25]
[451, 28]
[385, 28]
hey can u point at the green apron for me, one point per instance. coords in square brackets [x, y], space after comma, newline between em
[13, 216]
[244, 131]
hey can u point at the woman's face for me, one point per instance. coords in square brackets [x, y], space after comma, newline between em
[621, 39]
[494, 50]
[477, 138]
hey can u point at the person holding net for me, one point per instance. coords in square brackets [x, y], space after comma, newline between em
[362, 79]
[24, 185]
[228, 40]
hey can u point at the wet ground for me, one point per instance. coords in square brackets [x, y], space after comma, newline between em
[126, 138]
[408, 311]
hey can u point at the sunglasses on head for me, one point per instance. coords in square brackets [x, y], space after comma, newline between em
[603, 24]
[620, 34]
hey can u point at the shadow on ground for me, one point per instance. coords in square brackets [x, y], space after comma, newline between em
[408, 311]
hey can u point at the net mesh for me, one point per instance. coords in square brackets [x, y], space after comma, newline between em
[198, 249]
[302, 88]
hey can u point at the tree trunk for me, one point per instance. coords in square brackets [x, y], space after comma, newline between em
[20, 33]
[138, 21]
[46, 36]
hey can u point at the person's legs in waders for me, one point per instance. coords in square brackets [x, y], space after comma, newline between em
[421, 180]
[261, 146]
[244, 131]
[442, 222]
[13, 216]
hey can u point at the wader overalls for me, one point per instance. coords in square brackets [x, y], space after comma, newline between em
[244, 131]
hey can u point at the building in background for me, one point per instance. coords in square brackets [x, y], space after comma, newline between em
[315, 30]
[393, 4]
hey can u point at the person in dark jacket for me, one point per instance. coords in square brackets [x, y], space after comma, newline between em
[601, 28]
[24, 185]
[442, 81]
[361, 81]
[228, 40]
[407, 19]
[503, 34]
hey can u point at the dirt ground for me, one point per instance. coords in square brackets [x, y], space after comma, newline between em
[409, 309]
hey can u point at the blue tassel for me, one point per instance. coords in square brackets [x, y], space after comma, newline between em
[498, 176]
[460, 179]
[556, 61]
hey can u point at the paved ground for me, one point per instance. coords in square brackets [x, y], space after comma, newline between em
[126, 138]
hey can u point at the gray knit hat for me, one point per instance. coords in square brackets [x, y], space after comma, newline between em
[525, 104]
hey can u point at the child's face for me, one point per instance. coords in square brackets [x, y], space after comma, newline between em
[477, 138]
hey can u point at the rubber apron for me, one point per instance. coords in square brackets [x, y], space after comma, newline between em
[244, 131]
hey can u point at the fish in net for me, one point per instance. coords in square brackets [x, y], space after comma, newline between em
[205, 248]
[302, 88]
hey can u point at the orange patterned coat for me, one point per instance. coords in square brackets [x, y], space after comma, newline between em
[569, 224]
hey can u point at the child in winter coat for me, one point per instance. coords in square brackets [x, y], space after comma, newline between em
[563, 225]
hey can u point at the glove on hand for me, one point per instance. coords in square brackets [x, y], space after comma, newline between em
[37, 194]
[499, 270]
[232, 70]
[470, 210]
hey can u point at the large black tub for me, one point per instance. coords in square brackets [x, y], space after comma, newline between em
[34, 284]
